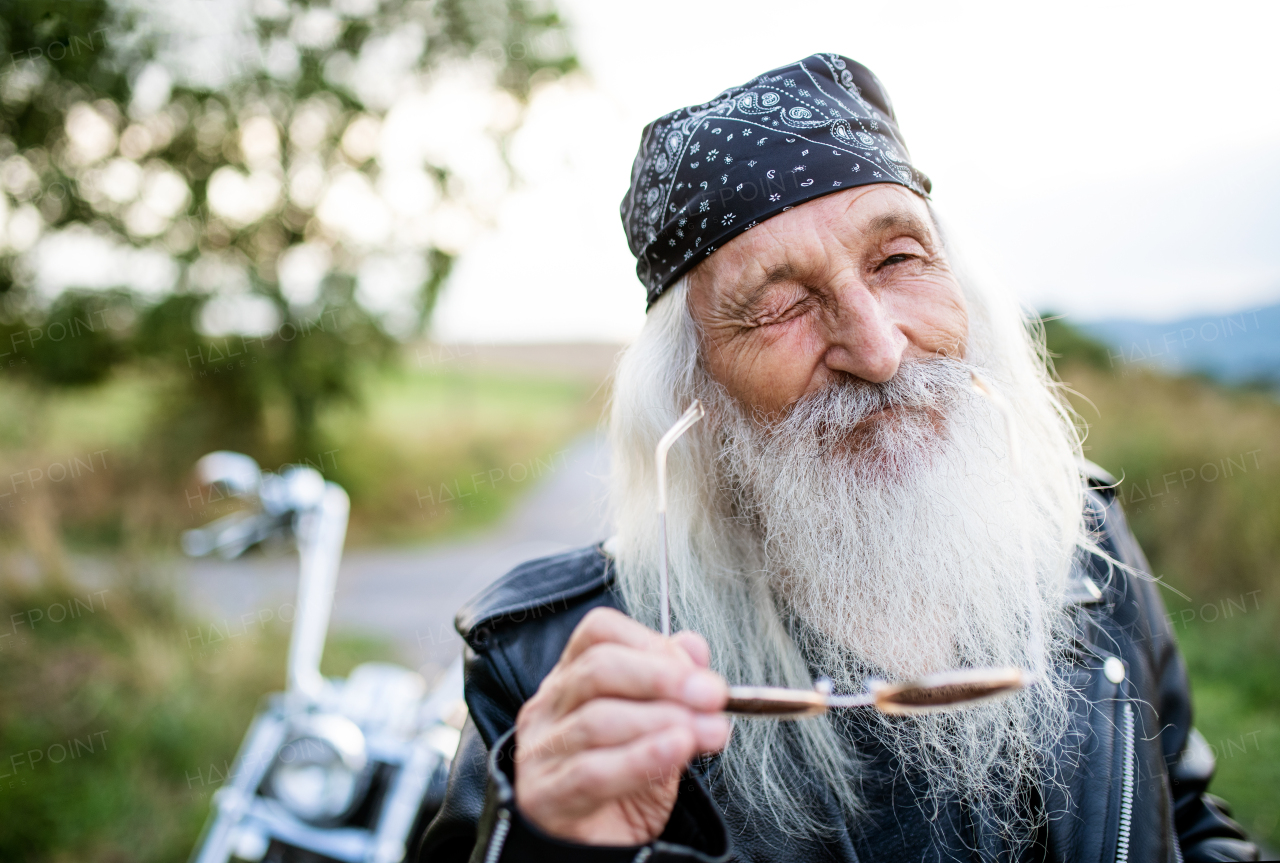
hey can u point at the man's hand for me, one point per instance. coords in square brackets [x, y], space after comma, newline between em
[601, 745]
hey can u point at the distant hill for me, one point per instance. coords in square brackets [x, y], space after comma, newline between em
[1240, 348]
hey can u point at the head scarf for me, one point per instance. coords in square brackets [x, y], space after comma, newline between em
[706, 173]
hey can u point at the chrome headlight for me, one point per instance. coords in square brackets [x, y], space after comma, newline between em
[321, 774]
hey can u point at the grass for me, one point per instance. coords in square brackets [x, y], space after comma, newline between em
[1232, 663]
[1200, 471]
[443, 452]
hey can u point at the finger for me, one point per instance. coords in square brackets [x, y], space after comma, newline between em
[712, 731]
[610, 626]
[606, 722]
[599, 775]
[614, 671]
[695, 645]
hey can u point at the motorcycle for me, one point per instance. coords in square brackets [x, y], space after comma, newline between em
[330, 770]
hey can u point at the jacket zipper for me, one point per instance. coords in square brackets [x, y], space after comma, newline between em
[499, 838]
[1126, 786]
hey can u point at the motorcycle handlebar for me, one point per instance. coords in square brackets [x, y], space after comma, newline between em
[231, 535]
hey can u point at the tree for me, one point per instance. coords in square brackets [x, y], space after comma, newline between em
[256, 181]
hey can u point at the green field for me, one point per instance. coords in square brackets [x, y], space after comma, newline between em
[425, 453]
[437, 453]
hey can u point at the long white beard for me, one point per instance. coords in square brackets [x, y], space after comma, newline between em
[898, 544]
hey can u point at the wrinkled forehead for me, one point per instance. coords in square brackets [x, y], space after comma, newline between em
[837, 225]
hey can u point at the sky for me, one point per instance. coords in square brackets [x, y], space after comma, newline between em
[1101, 160]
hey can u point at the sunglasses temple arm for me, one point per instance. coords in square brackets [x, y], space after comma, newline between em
[691, 416]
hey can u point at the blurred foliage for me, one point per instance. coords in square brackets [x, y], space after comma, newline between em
[107, 134]
[1197, 466]
[1067, 343]
[119, 717]
[1198, 471]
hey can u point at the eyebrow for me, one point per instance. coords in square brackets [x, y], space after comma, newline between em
[746, 298]
[901, 220]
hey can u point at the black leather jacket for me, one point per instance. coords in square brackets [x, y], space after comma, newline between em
[1136, 791]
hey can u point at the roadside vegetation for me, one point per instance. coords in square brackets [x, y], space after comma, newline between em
[424, 453]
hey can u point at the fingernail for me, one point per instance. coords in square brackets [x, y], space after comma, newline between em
[704, 691]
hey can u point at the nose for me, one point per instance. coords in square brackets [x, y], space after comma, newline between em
[863, 339]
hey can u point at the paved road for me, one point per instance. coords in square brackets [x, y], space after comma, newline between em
[409, 595]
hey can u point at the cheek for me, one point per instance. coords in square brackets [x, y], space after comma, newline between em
[769, 368]
[935, 316]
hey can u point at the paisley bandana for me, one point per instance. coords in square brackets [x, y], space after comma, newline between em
[706, 173]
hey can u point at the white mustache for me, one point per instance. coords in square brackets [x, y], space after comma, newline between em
[930, 386]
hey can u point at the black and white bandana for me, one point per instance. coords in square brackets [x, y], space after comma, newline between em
[706, 173]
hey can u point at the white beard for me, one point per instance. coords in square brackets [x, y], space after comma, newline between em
[902, 545]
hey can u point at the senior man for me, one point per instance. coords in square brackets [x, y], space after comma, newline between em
[850, 509]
